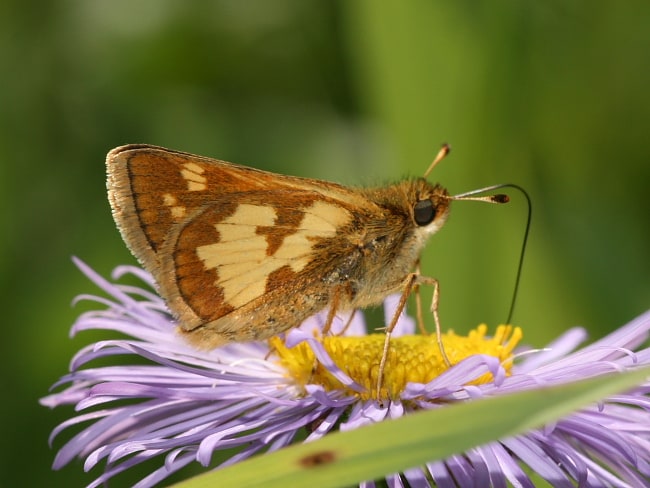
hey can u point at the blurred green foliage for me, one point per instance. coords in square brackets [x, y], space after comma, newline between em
[551, 95]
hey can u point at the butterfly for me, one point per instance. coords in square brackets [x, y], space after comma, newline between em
[241, 254]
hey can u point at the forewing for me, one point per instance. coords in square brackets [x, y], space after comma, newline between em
[217, 236]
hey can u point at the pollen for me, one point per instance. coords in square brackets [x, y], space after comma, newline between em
[411, 358]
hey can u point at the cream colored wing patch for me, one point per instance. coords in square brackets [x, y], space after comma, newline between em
[177, 211]
[192, 173]
[241, 256]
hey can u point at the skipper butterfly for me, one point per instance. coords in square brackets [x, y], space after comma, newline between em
[241, 254]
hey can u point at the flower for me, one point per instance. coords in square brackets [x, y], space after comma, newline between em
[182, 405]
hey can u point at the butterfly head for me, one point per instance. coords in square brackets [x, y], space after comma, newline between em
[429, 207]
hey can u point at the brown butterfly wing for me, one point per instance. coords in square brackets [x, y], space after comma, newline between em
[227, 243]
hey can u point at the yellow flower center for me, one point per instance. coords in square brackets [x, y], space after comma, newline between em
[411, 358]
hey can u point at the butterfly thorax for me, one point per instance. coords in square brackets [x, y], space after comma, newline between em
[389, 240]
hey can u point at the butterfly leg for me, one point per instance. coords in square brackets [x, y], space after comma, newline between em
[331, 313]
[418, 301]
[434, 311]
[329, 320]
[347, 323]
[408, 285]
[411, 283]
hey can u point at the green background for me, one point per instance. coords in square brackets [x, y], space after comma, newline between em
[550, 95]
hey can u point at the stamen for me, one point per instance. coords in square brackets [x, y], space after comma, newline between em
[411, 358]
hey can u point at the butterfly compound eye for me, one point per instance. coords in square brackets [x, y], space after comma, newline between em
[424, 212]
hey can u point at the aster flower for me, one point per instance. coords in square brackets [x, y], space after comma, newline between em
[183, 406]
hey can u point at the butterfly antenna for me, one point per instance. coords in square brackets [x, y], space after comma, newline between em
[444, 150]
[502, 198]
